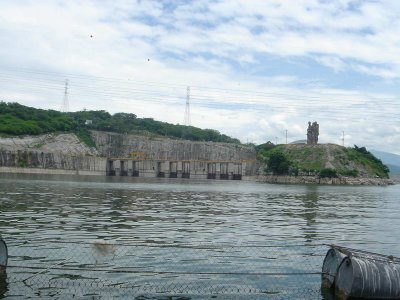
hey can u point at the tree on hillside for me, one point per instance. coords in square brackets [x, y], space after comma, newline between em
[263, 149]
[278, 163]
[17, 119]
[368, 155]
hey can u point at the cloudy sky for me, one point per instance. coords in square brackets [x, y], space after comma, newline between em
[255, 68]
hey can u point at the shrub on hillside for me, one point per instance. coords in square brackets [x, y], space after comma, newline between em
[350, 173]
[328, 173]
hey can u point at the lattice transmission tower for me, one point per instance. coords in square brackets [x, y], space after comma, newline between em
[65, 104]
[187, 109]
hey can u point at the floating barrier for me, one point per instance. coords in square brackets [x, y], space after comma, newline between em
[332, 261]
[361, 274]
[368, 278]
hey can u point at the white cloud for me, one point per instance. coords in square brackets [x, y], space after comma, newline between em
[376, 71]
[332, 62]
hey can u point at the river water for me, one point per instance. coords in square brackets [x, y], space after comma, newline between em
[42, 210]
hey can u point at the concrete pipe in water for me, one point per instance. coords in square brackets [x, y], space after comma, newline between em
[332, 261]
[368, 278]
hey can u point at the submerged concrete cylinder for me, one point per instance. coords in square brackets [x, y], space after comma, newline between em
[332, 261]
[368, 278]
[3, 254]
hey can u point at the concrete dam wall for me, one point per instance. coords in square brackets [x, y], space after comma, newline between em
[133, 155]
[127, 155]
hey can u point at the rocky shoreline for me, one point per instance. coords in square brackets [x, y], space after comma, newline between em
[282, 179]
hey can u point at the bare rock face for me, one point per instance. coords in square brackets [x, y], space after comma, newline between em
[157, 148]
[122, 145]
[49, 151]
[66, 143]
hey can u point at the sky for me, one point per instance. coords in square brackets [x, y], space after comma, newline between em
[254, 70]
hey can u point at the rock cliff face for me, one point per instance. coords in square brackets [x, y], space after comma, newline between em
[48, 143]
[57, 160]
[49, 152]
[119, 145]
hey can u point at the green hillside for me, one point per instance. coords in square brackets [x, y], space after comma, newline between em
[17, 119]
[326, 160]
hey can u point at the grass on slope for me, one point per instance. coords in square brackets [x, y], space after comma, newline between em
[323, 159]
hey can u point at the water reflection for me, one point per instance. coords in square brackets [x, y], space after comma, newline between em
[139, 209]
[310, 210]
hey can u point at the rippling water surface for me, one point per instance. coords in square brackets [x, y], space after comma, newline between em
[41, 209]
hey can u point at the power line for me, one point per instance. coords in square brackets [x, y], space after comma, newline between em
[203, 101]
[343, 139]
[163, 94]
[227, 98]
[119, 92]
[323, 96]
[286, 136]
[65, 106]
[187, 109]
[315, 111]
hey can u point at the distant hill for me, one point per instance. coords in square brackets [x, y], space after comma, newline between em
[327, 160]
[394, 170]
[390, 159]
[18, 120]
